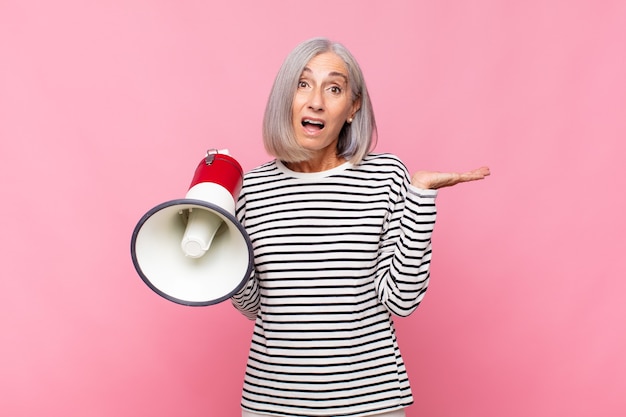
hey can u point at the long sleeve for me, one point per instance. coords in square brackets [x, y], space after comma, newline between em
[404, 262]
[246, 300]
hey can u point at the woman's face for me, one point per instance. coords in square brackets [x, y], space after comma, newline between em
[322, 103]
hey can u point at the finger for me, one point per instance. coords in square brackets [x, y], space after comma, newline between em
[485, 171]
[477, 174]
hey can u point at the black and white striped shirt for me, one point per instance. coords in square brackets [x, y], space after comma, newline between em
[336, 254]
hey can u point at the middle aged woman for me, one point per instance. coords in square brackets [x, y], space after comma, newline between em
[342, 241]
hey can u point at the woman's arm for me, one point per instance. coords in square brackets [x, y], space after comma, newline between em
[247, 300]
[404, 261]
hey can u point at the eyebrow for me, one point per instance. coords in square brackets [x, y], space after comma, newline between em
[330, 74]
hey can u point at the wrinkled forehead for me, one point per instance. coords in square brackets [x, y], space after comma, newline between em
[327, 65]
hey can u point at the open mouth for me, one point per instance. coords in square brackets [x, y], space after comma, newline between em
[312, 124]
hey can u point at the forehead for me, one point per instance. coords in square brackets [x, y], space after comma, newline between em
[327, 64]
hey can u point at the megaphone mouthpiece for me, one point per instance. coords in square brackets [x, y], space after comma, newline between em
[201, 228]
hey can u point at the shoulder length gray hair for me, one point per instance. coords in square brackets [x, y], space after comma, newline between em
[356, 139]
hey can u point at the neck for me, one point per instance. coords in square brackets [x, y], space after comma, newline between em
[316, 165]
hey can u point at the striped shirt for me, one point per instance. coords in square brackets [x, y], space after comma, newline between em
[336, 254]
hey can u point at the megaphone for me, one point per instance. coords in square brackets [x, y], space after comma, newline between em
[193, 251]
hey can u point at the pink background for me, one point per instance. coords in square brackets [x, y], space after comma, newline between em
[106, 107]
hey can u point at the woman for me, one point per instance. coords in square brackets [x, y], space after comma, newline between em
[342, 241]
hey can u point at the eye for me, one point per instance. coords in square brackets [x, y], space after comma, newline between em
[302, 84]
[335, 89]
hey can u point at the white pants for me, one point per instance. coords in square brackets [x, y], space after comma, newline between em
[397, 413]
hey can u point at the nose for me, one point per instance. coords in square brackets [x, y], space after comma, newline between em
[316, 99]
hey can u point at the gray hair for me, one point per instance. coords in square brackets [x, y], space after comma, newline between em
[356, 139]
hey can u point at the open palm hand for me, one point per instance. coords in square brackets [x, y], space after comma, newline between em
[435, 180]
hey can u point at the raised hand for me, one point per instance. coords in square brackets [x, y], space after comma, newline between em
[434, 180]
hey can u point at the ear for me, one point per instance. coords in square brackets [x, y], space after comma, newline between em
[356, 106]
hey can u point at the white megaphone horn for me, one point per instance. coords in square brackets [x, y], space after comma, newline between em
[194, 251]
